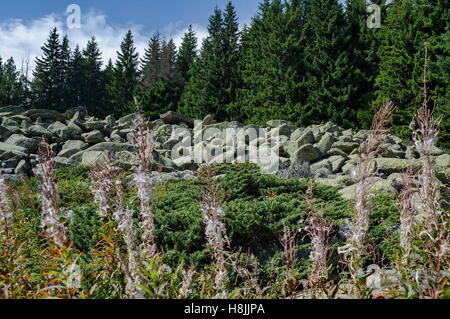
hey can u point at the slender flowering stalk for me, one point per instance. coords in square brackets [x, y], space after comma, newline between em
[144, 142]
[407, 213]
[6, 214]
[319, 231]
[215, 230]
[102, 177]
[288, 241]
[124, 218]
[54, 229]
[188, 276]
[363, 174]
[434, 225]
[105, 185]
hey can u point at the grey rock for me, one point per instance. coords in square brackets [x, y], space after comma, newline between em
[306, 153]
[39, 131]
[29, 144]
[12, 149]
[44, 114]
[89, 158]
[81, 110]
[72, 147]
[93, 137]
[325, 143]
[337, 164]
[22, 168]
[277, 123]
[347, 147]
[394, 165]
[63, 131]
[175, 118]
[377, 186]
[443, 160]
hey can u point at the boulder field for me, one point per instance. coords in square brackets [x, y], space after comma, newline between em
[326, 152]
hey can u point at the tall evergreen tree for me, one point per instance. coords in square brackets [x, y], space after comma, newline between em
[151, 62]
[65, 71]
[209, 89]
[126, 75]
[231, 55]
[47, 85]
[187, 53]
[11, 92]
[328, 70]
[94, 86]
[409, 24]
[168, 60]
[271, 64]
[161, 86]
[76, 80]
[363, 48]
[2, 103]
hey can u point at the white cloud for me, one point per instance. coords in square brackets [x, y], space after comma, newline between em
[23, 40]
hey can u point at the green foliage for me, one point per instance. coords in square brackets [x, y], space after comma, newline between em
[126, 76]
[272, 64]
[409, 24]
[384, 222]
[160, 97]
[48, 82]
[13, 89]
[84, 227]
[212, 86]
[187, 54]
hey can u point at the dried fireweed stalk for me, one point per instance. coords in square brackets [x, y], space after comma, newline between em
[407, 213]
[188, 277]
[6, 213]
[143, 140]
[106, 184]
[363, 173]
[319, 231]
[54, 229]
[434, 232]
[215, 230]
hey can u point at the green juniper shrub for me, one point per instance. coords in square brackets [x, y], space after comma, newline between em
[256, 208]
[84, 227]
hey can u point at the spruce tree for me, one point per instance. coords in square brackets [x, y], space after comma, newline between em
[440, 85]
[210, 89]
[271, 65]
[47, 85]
[187, 53]
[151, 62]
[108, 81]
[161, 87]
[76, 80]
[363, 47]
[65, 71]
[202, 95]
[328, 70]
[126, 75]
[94, 86]
[10, 86]
[2, 103]
[401, 55]
[231, 55]
[168, 59]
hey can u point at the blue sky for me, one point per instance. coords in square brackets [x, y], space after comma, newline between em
[150, 14]
[24, 24]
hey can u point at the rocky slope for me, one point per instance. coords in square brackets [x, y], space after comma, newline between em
[79, 139]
